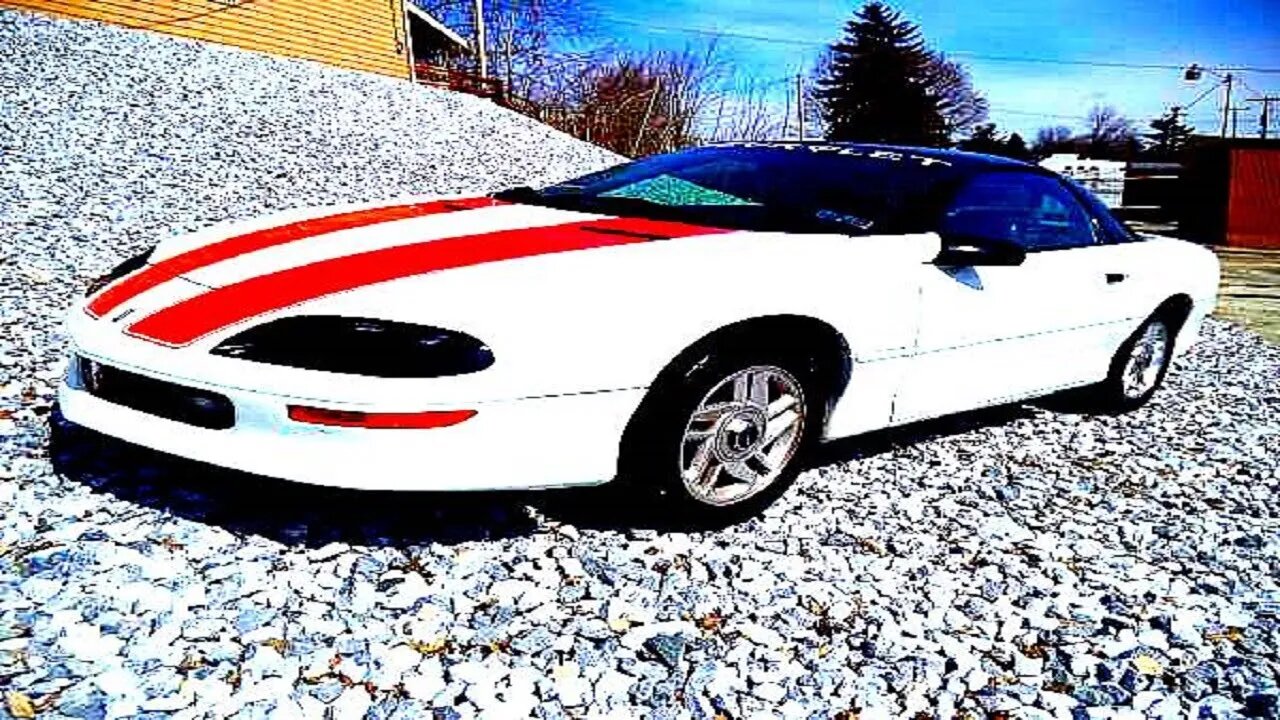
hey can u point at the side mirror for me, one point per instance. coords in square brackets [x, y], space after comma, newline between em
[966, 250]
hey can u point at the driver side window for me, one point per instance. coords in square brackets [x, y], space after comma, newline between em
[1034, 211]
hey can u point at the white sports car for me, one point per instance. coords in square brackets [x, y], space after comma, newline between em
[691, 322]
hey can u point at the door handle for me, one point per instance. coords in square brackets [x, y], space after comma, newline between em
[1113, 278]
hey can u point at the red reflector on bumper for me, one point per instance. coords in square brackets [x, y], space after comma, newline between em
[350, 418]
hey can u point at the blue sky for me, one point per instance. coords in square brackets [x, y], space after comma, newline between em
[1023, 96]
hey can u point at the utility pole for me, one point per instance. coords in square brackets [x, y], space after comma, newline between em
[1235, 118]
[478, 9]
[786, 118]
[1266, 101]
[1226, 104]
[800, 104]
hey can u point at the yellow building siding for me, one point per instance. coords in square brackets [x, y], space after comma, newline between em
[358, 34]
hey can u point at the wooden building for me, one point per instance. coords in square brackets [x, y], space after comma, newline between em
[388, 37]
[1231, 193]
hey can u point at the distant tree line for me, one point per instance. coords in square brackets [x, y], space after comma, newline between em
[879, 82]
[1109, 136]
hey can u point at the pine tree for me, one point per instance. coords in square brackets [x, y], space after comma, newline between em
[878, 85]
[987, 139]
[1171, 134]
[1016, 148]
[984, 139]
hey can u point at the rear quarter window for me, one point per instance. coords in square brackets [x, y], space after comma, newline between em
[1110, 228]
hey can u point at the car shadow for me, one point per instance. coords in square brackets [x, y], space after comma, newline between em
[610, 507]
[880, 442]
[297, 514]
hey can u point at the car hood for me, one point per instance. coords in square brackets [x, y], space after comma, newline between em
[235, 252]
[201, 284]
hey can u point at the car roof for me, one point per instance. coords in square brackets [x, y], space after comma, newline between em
[969, 161]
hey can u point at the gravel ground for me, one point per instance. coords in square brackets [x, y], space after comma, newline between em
[1014, 563]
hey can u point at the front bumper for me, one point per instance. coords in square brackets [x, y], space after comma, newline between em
[519, 444]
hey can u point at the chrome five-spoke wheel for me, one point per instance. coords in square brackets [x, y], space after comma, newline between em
[1146, 361]
[1137, 368]
[742, 435]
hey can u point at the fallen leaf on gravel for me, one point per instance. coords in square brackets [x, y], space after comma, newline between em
[191, 662]
[20, 706]
[1034, 651]
[1148, 665]
[711, 622]
[431, 647]
[1234, 635]
[871, 546]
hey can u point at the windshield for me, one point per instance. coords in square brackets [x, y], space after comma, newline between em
[788, 187]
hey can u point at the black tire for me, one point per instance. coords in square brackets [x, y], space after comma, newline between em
[1110, 396]
[652, 448]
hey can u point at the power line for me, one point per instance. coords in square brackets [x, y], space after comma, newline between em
[714, 33]
[1202, 96]
[796, 42]
[1245, 84]
[194, 16]
[1030, 113]
[957, 53]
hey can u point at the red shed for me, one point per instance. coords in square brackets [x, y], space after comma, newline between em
[1232, 193]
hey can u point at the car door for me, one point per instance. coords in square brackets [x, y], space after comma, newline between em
[991, 333]
[1131, 271]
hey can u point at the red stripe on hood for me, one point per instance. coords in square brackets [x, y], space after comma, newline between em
[209, 312]
[165, 270]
